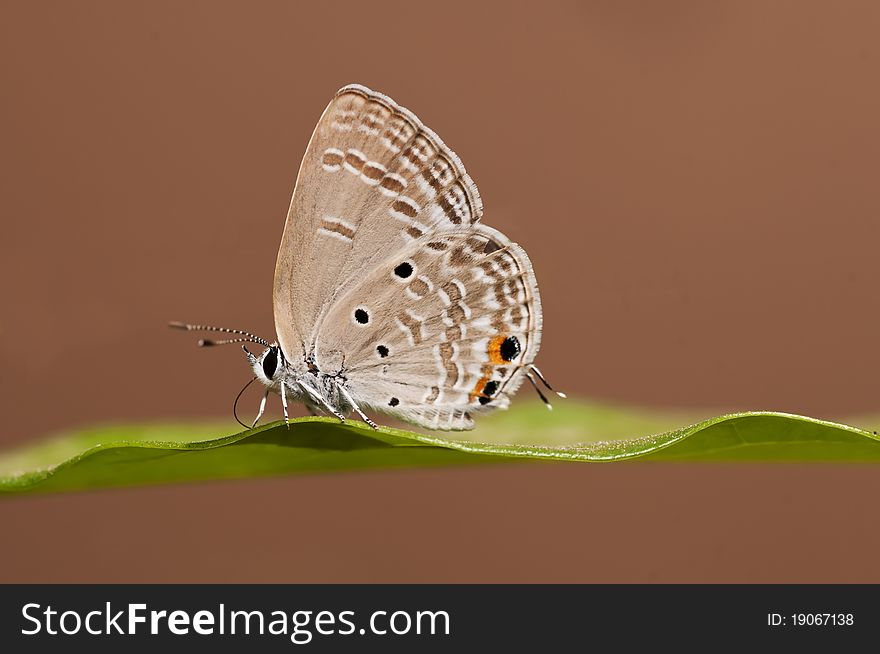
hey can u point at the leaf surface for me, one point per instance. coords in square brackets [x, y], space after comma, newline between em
[177, 452]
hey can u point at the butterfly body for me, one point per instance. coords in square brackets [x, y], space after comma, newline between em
[301, 382]
[389, 294]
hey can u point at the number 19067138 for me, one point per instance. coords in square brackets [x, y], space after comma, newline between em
[810, 620]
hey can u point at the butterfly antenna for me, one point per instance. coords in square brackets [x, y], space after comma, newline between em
[207, 342]
[246, 337]
[546, 383]
[235, 404]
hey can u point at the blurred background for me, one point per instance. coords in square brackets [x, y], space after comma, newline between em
[695, 183]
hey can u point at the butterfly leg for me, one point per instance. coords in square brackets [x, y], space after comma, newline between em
[363, 416]
[284, 404]
[319, 400]
[262, 408]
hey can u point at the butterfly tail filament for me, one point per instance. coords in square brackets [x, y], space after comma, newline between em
[534, 369]
[538, 391]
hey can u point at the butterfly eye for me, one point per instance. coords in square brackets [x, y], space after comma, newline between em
[382, 350]
[270, 362]
[361, 316]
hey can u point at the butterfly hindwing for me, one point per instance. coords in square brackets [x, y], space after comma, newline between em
[441, 329]
[373, 180]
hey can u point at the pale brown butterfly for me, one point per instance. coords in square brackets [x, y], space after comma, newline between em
[389, 294]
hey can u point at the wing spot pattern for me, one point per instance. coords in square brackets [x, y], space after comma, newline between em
[372, 173]
[397, 134]
[419, 287]
[354, 161]
[415, 231]
[432, 395]
[372, 121]
[410, 325]
[444, 354]
[392, 184]
[337, 228]
[453, 202]
[405, 209]
[417, 154]
[331, 160]
[344, 120]
[459, 257]
[454, 290]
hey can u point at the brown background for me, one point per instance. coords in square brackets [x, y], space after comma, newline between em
[696, 184]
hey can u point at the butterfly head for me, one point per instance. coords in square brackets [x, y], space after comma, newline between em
[266, 365]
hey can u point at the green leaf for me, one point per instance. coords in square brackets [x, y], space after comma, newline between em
[164, 453]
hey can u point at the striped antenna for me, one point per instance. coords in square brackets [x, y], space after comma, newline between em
[246, 337]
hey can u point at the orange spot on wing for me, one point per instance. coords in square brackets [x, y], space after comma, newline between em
[477, 393]
[494, 350]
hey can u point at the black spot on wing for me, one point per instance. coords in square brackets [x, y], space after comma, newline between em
[404, 270]
[489, 390]
[510, 348]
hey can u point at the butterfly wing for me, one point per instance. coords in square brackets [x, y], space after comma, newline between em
[442, 329]
[373, 180]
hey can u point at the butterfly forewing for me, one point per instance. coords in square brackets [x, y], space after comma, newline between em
[373, 180]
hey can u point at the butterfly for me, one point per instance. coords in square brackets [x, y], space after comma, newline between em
[389, 294]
